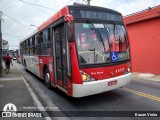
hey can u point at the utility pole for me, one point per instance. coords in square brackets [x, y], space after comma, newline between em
[88, 2]
[0, 45]
[80, 2]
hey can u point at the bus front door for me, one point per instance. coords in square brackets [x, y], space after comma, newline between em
[60, 57]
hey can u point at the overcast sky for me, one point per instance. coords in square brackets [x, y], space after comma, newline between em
[27, 14]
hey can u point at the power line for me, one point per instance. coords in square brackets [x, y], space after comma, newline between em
[37, 5]
[12, 35]
[17, 21]
[68, 2]
[11, 22]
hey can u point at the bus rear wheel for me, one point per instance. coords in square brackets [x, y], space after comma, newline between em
[25, 65]
[47, 78]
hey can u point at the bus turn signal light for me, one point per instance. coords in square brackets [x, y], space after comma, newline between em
[128, 69]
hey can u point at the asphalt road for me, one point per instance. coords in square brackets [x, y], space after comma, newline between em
[139, 95]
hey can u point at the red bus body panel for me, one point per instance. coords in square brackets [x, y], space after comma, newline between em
[64, 11]
[76, 77]
[101, 73]
[18, 56]
[45, 60]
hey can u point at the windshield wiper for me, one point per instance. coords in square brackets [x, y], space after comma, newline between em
[98, 34]
[107, 38]
[93, 28]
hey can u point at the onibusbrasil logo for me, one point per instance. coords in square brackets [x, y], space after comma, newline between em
[8, 110]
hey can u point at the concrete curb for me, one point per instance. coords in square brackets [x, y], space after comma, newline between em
[47, 103]
[35, 99]
[10, 79]
[147, 79]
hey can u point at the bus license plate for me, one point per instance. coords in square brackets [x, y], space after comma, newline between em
[112, 83]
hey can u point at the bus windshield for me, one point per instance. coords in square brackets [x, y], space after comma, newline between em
[101, 43]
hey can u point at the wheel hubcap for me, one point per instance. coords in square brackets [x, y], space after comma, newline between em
[47, 77]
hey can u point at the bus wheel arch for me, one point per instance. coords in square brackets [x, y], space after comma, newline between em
[46, 76]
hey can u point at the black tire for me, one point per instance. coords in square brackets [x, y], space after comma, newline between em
[25, 65]
[47, 78]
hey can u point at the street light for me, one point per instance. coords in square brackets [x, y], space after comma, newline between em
[33, 25]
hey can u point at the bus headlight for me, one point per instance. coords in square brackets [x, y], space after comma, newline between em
[86, 77]
[128, 69]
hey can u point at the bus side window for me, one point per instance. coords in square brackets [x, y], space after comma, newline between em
[49, 38]
[37, 45]
[33, 45]
[48, 51]
[45, 44]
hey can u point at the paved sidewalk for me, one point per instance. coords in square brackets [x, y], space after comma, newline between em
[14, 89]
[14, 72]
[146, 76]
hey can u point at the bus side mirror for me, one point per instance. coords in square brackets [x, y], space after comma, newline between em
[69, 31]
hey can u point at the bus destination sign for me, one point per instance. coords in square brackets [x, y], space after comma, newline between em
[102, 15]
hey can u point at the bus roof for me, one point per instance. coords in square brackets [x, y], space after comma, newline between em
[92, 8]
[67, 10]
[64, 11]
[59, 14]
[34, 32]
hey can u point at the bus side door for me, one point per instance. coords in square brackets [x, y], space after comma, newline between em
[60, 56]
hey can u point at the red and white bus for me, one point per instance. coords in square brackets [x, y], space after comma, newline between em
[18, 55]
[81, 50]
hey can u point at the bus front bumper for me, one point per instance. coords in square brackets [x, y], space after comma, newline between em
[95, 87]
